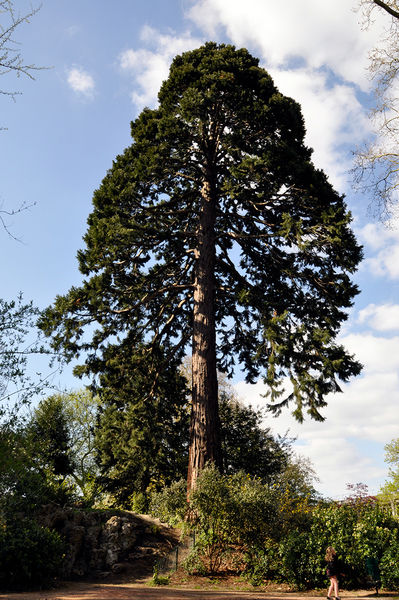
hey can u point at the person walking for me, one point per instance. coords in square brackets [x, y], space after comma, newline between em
[333, 570]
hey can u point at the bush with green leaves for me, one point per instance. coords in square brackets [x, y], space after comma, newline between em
[30, 555]
[26, 484]
[277, 533]
[359, 531]
[170, 504]
[264, 564]
[389, 564]
[231, 516]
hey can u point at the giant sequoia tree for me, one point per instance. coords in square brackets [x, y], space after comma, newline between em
[215, 228]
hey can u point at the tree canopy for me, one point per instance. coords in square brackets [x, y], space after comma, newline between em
[215, 229]
[390, 490]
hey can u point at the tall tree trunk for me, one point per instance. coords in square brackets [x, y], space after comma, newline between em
[204, 427]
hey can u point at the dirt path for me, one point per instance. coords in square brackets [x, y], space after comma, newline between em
[135, 592]
[90, 591]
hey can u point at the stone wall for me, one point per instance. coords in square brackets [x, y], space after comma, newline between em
[103, 542]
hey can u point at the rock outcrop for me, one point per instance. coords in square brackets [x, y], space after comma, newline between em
[100, 543]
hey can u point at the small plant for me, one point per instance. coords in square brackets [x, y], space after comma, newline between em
[139, 502]
[155, 529]
[158, 579]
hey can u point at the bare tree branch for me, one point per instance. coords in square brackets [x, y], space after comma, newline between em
[388, 8]
[376, 164]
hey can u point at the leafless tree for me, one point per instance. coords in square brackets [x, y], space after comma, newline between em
[377, 164]
[11, 59]
[12, 62]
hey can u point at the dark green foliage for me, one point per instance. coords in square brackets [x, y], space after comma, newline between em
[389, 564]
[358, 531]
[51, 438]
[280, 241]
[141, 436]
[247, 445]
[229, 513]
[25, 484]
[30, 555]
[170, 504]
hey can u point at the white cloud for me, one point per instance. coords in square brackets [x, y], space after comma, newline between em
[348, 447]
[384, 240]
[333, 117]
[377, 354]
[150, 67]
[321, 34]
[374, 235]
[81, 82]
[73, 30]
[383, 317]
[306, 45]
[386, 263]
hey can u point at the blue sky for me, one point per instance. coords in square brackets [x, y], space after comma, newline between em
[106, 61]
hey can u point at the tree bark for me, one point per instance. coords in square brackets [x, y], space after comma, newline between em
[204, 427]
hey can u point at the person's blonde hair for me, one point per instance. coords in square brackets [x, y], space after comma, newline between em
[330, 553]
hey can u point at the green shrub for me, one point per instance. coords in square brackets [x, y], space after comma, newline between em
[170, 504]
[263, 565]
[30, 555]
[158, 579]
[358, 531]
[139, 502]
[273, 534]
[230, 515]
[389, 564]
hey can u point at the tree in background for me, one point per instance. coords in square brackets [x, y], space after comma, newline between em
[377, 164]
[30, 475]
[51, 438]
[61, 434]
[81, 411]
[247, 445]
[389, 492]
[141, 432]
[11, 59]
[215, 228]
[69, 438]
[297, 480]
[20, 349]
[50, 455]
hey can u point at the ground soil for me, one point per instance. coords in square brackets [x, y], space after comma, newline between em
[182, 588]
